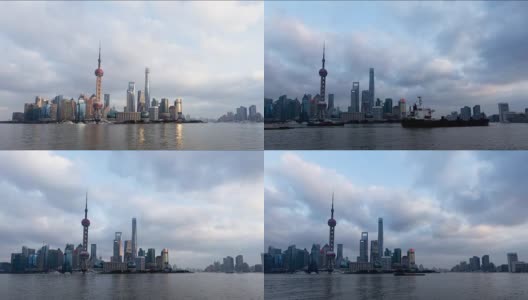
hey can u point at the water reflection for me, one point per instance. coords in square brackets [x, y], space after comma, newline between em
[179, 136]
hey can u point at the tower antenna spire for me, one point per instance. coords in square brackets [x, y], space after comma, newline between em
[324, 49]
[332, 204]
[86, 206]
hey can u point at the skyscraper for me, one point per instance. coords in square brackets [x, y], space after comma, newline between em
[412, 258]
[140, 101]
[321, 106]
[330, 253]
[476, 112]
[118, 253]
[339, 257]
[503, 110]
[147, 89]
[99, 77]
[106, 100]
[365, 102]
[85, 223]
[371, 87]
[380, 237]
[512, 259]
[179, 108]
[131, 97]
[363, 247]
[330, 102]
[374, 255]
[93, 251]
[354, 98]
[134, 240]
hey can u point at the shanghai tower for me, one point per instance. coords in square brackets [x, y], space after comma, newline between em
[147, 89]
[371, 88]
[134, 240]
[380, 238]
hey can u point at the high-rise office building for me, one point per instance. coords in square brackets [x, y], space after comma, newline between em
[503, 110]
[106, 100]
[118, 252]
[354, 98]
[485, 263]
[465, 113]
[512, 259]
[387, 106]
[253, 113]
[127, 249]
[93, 252]
[372, 91]
[131, 97]
[330, 102]
[147, 89]
[151, 256]
[374, 255]
[134, 239]
[366, 106]
[476, 112]
[339, 257]
[380, 237]
[239, 261]
[412, 258]
[165, 258]
[140, 101]
[363, 248]
[179, 108]
[396, 256]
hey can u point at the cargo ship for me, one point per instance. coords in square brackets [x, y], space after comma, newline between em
[420, 117]
[326, 123]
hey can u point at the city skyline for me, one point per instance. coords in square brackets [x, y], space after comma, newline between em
[209, 70]
[451, 66]
[198, 220]
[443, 215]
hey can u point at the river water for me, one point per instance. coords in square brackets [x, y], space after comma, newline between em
[446, 286]
[392, 136]
[168, 136]
[132, 286]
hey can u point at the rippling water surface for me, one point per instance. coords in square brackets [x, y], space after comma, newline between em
[169, 136]
[132, 286]
[448, 286]
[393, 136]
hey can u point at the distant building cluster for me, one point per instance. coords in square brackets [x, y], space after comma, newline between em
[88, 109]
[475, 265]
[242, 114]
[324, 259]
[125, 258]
[364, 106]
[507, 116]
[230, 265]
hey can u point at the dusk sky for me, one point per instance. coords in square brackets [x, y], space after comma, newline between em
[202, 206]
[451, 53]
[211, 54]
[448, 206]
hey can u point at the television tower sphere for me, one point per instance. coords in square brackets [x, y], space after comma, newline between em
[99, 72]
[323, 72]
[84, 254]
[332, 222]
[85, 222]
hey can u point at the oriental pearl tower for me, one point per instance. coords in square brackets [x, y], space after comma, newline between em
[97, 106]
[84, 252]
[321, 106]
[330, 254]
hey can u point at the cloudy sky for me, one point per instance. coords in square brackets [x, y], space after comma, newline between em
[211, 54]
[202, 206]
[448, 206]
[451, 54]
